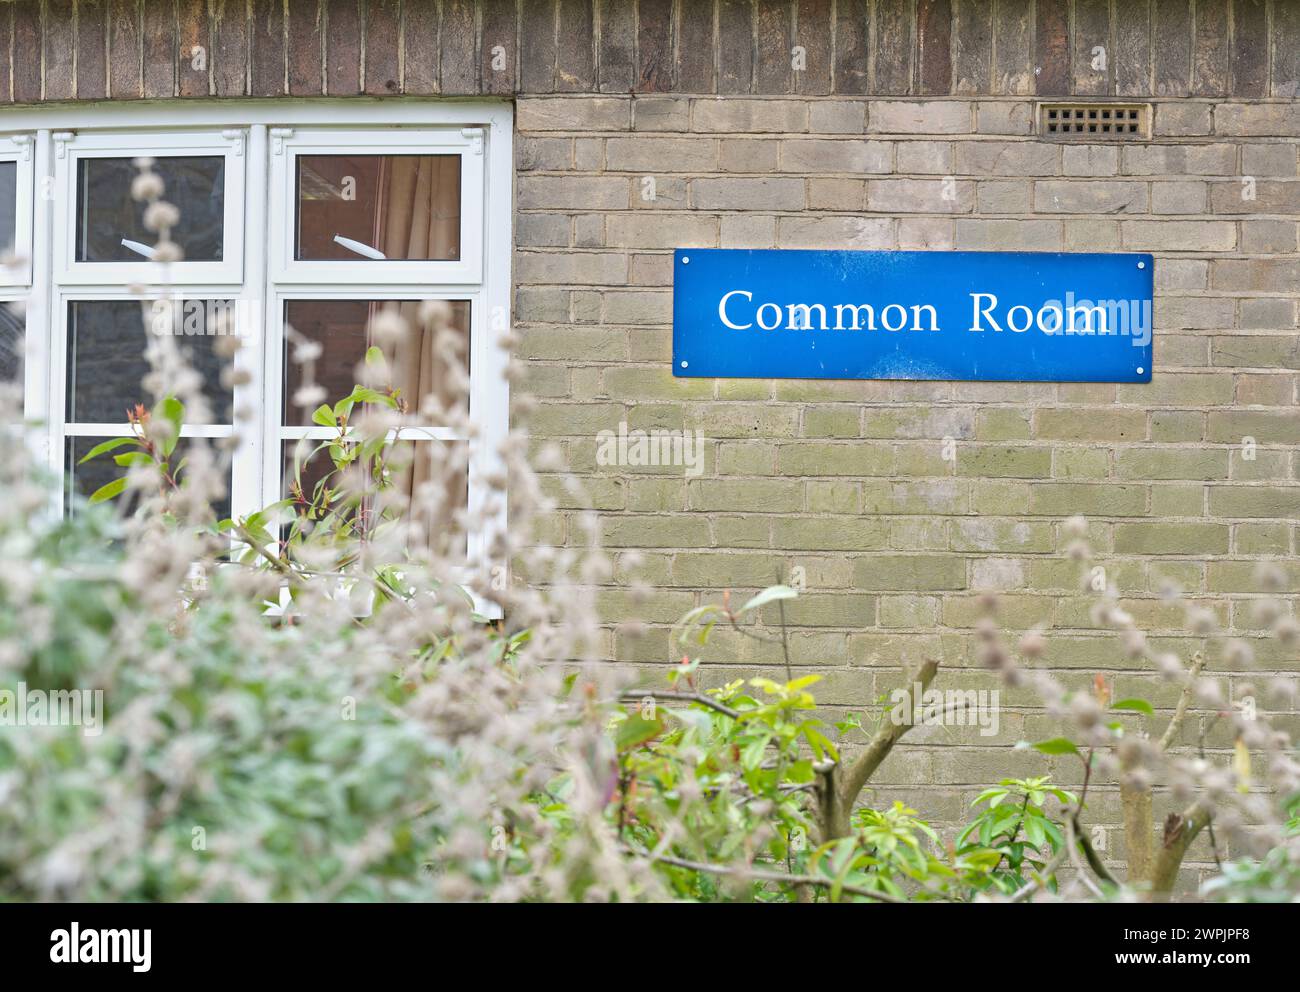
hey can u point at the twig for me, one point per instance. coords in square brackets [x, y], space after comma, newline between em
[761, 875]
[633, 696]
[1180, 713]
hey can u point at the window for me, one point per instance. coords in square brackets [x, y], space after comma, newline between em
[16, 190]
[303, 223]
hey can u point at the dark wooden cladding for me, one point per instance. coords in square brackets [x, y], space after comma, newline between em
[1286, 49]
[342, 47]
[303, 53]
[1131, 59]
[892, 48]
[973, 47]
[1052, 48]
[267, 58]
[852, 47]
[1249, 57]
[1171, 49]
[383, 69]
[934, 47]
[654, 46]
[124, 51]
[1092, 57]
[735, 46]
[129, 49]
[617, 46]
[193, 60]
[457, 43]
[499, 46]
[158, 30]
[60, 79]
[1210, 49]
[813, 35]
[537, 45]
[695, 48]
[6, 46]
[575, 59]
[1013, 53]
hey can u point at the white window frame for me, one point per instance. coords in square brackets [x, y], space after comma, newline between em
[254, 268]
[20, 149]
[291, 143]
[72, 147]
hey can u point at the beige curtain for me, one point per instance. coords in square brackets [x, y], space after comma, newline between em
[418, 217]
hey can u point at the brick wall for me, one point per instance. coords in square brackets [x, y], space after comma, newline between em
[848, 480]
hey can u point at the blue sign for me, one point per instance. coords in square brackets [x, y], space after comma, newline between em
[1012, 316]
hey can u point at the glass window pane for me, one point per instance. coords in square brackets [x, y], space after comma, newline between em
[356, 208]
[11, 342]
[106, 214]
[8, 205]
[98, 472]
[344, 330]
[430, 479]
[106, 355]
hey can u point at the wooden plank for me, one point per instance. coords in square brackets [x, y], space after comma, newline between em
[1131, 60]
[852, 51]
[92, 50]
[934, 27]
[1052, 48]
[813, 35]
[537, 46]
[1210, 49]
[1013, 47]
[1286, 49]
[892, 48]
[972, 56]
[6, 46]
[1249, 48]
[27, 38]
[735, 46]
[229, 47]
[60, 42]
[575, 60]
[695, 46]
[124, 82]
[193, 61]
[342, 47]
[500, 46]
[266, 48]
[1092, 68]
[382, 62]
[458, 65]
[160, 52]
[1171, 47]
[654, 46]
[306, 73]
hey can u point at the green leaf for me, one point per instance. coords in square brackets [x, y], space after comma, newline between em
[1136, 705]
[802, 683]
[1057, 745]
[133, 458]
[374, 355]
[636, 730]
[769, 595]
[171, 410]
[103, 446]
[107, 492]
[324, 416]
